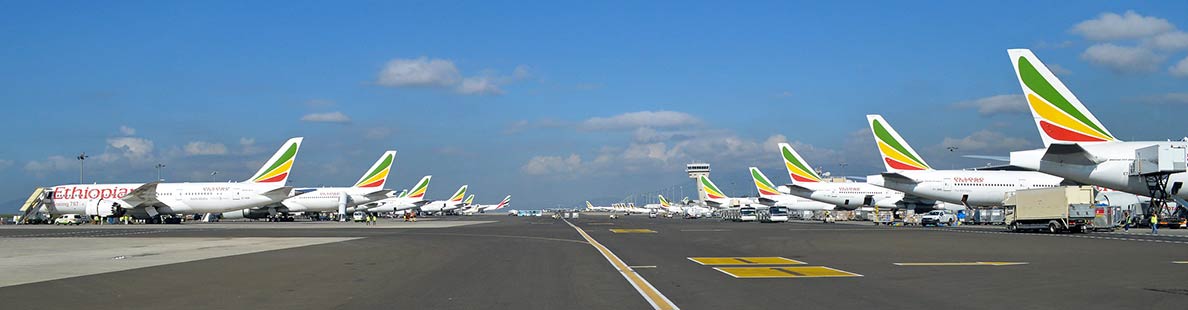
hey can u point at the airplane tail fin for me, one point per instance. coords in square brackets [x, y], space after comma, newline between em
[276, 169]
[589, 206]
[418, 190]
[402, 194]
[469, 200]
[378, 174]
[505, 202]
[664, 202]
[798, 169]
[765, 187]
[711, 191]
[897, 154]
[457, 197]
[1059, 115]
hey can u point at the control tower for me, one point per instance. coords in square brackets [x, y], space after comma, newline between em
[697, 170]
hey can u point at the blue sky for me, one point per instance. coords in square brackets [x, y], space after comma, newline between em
[554, 102]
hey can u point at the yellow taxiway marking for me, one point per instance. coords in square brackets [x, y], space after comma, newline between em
[964, 264]
[649, 292]
[785, 272]
[719, 261]
[632, 231]
[1180, 262]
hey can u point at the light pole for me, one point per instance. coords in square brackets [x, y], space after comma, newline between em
[212, 175]
[81, 158]
[159, 166]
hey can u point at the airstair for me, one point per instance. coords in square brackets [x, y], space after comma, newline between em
[1155, 164]
[35, 202]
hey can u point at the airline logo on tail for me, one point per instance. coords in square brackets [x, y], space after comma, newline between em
[664, 202]
[459, 194]
[418, 191]
[507, 200]
[469, 200]
[711, 190]
[897, 154]
[378, 174]
[798, 168]
[402, 193]
[762, 183]
[276, 170]
[1059, 115]
[589, 206]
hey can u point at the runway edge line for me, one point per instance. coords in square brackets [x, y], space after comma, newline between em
[645, 289]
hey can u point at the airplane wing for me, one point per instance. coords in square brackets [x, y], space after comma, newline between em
[379, 194]
[856, 178]
[767, 201]
[145, 194]
[1070, 154]
[989, 157]
[898, 177]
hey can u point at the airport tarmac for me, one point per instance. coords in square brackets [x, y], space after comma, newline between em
[495, 262]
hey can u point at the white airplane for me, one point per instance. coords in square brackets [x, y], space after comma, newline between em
[769, 195]
[480, 208]
[669, 207]
[714, 197]
[369, 188]
[630, 208]
[907, 172]
[1080, 148]
[157, 201]
[592, 208]
[454, 202]
[405, 200]
[806, 183]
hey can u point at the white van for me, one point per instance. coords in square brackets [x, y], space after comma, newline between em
[69, 219]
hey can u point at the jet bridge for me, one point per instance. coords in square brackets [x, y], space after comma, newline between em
[1155, 164]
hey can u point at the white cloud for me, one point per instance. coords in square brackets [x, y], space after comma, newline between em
[52, 163]
[205, 148]
[418, 72]
[553, 165]
[1000, 104]
[633, 120]
[1129, 25]
[522, 72]
[1058, 69]
[329, 117]
[127, 131]
[132, 148]
[479, 85]
[1122, 59]
[986, 140]
[1180, 69]
[1169, 40]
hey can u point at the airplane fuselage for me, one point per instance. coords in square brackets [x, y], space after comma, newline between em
[172, 198]
[1113, 169]
[975, 188]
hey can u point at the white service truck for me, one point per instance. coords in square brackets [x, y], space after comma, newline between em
[1055, 210]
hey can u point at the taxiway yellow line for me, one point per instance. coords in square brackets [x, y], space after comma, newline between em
[649, 292]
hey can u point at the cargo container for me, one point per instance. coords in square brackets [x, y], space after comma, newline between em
[1057, 209]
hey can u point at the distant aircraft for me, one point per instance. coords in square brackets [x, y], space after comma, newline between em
[806, 183]
[592, 208]
[454, 202]
[158, 201]
[370, 187]
[770, 196]
[405, 200]
[907, 172]
[714, 197]
[1080, 148]
[502, 204]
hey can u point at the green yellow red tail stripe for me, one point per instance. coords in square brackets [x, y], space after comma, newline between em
[276, 170]
[897, 154]
[798, 168]
[765, 187]
[378, 174]
[1058, 113]
[711, 190]
[418, 191]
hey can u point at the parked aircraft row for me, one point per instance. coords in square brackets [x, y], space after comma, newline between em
[1078, 150]
[264, 195]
